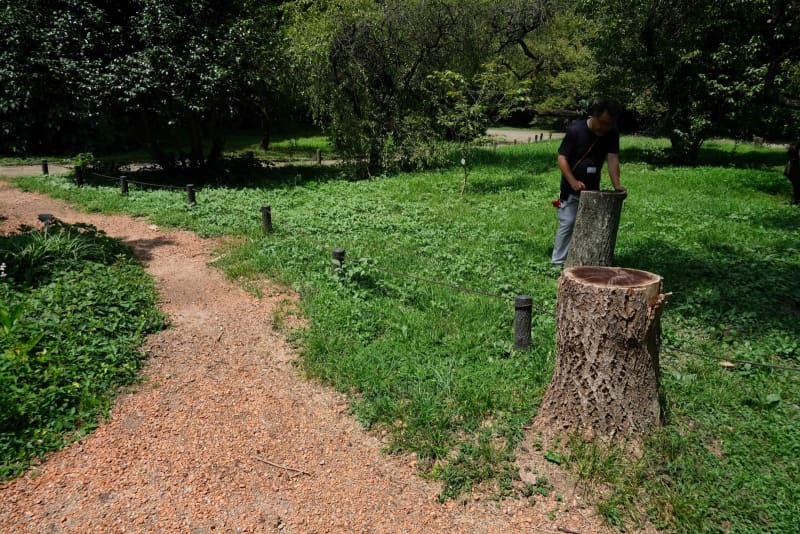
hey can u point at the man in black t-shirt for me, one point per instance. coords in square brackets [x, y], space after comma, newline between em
[587, 144]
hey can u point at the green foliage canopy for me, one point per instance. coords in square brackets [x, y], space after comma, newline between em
[148, 71]
[375, 74]
[697, 69]
[51, 66]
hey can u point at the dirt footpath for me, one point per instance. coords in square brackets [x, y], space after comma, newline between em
[29, 170]
[224, 434]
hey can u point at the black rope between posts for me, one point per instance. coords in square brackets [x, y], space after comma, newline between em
[116, 179]
[178, 188]
[540, 310]
[415, 278]
[442, 284]
[98, 175]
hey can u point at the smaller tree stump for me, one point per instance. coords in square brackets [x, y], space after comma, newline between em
[606, 380]
[594, 235]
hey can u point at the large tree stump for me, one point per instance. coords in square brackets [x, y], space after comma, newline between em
[606, 380]
[594, 235]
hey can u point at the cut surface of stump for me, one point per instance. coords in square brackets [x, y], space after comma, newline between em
[606, 381]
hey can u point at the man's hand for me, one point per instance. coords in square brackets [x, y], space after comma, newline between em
[620, 189]
[577, 185]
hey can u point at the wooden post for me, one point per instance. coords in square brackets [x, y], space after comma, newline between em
[79, 176]
[123, 185]
[594, 235]
[608, 329]
[45, 168]
[266, 219]
[190, 194]
[337, 259]
[47, 219]
[319, 157]
[523, 305]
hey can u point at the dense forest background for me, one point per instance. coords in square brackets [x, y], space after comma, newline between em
[393, 82]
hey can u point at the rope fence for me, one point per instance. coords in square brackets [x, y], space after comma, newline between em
[523, 304]
[124, 184]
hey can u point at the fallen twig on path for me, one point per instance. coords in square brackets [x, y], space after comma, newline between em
[282, 466]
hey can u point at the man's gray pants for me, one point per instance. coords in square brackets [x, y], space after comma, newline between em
[566, 220]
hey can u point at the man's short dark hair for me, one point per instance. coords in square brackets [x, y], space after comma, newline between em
[601, 106]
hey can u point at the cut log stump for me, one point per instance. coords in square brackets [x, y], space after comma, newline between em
[606, 380]
[594, 235]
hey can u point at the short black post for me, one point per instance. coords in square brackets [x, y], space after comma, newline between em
[123, 185]
[337, 258]
[79, 176]
[551, 135]
[523, 305]
[190, 194]
[47, 219]
[45, 169]
[266, 218]
[319, 157]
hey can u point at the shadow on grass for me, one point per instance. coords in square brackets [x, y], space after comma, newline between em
[727, 282]
[493, 184]
[234, 173]
[778, 187]
[143, 248]
[788, 221]
[526, 160]
[710, 156]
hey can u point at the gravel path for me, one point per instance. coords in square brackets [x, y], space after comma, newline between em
[521, 135]
[224, 434]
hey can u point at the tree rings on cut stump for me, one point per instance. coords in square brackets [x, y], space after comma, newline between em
[606, 380]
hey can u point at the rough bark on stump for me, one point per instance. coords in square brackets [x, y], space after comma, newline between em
[606, 380]
[594, 235]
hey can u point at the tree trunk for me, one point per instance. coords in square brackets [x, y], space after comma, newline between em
[164, 160]
[217, 134]
[196, 151]
[594, 235]
[606, 380]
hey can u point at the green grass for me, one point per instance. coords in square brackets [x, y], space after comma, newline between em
[291, 146]
[32, 160]
[74, 308]
[434, 367]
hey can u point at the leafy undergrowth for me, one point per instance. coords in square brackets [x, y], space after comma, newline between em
[74, 307]
[417, 327]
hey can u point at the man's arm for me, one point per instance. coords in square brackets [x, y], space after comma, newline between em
[574, 183]
[613, 172]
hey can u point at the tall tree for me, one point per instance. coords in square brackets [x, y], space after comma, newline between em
[699, 68]
[181, 78]
[51, 65]
[556, 63]
[264, 64]
[160, 73]
[366, 66]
